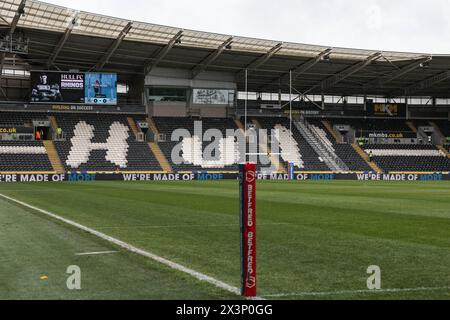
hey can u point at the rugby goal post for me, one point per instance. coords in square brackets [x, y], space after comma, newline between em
[247, 186]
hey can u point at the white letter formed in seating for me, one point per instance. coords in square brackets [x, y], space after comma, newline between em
[116, 145]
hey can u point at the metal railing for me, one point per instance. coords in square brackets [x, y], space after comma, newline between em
[323, 147]
[59, 137]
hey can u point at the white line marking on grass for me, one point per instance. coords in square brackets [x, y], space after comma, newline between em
[343, 292]
[126, 246]
[95, 253]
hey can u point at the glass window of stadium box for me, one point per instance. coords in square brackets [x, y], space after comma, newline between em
[167, 94]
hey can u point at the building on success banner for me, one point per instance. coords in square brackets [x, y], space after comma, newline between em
[75, 88]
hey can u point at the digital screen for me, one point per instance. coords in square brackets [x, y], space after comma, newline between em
[49, 87]
[100, 88]
[76, 88]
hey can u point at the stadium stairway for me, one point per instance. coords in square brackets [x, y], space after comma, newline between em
[438, 130]
[53, 156]
[331, 160]
[275, 160]
[154, 147]
[444, 150]
[152, 126]
[133, 126]
[336, 135]
[411, 126]
[165, 165]
[239, 124]
[53, 123]
[366, 158]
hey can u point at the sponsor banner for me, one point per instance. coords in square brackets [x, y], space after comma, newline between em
[247, 186]
[67, 107]
[213, 96]
[59, 107]
[211, 176]
[13, 130]
[388, 135]
[394, 110]
[76, 88]
[35, 177]
[402, 177]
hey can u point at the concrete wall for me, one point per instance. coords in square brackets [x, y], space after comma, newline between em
[183, 78]
[167, 109]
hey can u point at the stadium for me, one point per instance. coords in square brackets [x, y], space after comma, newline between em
[122, 164]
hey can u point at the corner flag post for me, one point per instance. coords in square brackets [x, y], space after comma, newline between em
[247, 179]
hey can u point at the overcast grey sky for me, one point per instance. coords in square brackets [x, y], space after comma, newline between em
[399, 25]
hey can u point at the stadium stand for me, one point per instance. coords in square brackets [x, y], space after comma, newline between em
[397, 157]
[103, 137]
[444, 126]
[89, 136]
[194, 148]
[343, 150]
[16, 156]
[310, 159]
[12, 119]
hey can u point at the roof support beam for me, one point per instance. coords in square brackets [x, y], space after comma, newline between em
[20, 11]
[211, 58]
[262, 60]
[62, 41]
[309, 64]
[2, 61]
[336, 78]
[163, 52]
[297, 72]
[108, 54]
[380, 82]
[427, 83]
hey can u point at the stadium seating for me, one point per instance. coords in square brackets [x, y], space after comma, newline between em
[376, 125]
[193, 148]
[106, 142]
[20, 118]
[444, 126]
[310, 159]
[343, 150]
[18, 156]
[401, 157]
[111, 144]
[290, 151]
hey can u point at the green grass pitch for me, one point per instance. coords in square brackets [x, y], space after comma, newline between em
[315, 239]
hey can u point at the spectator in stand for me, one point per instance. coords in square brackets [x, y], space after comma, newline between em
[58, 133]
[38, 135]
[370, 156]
